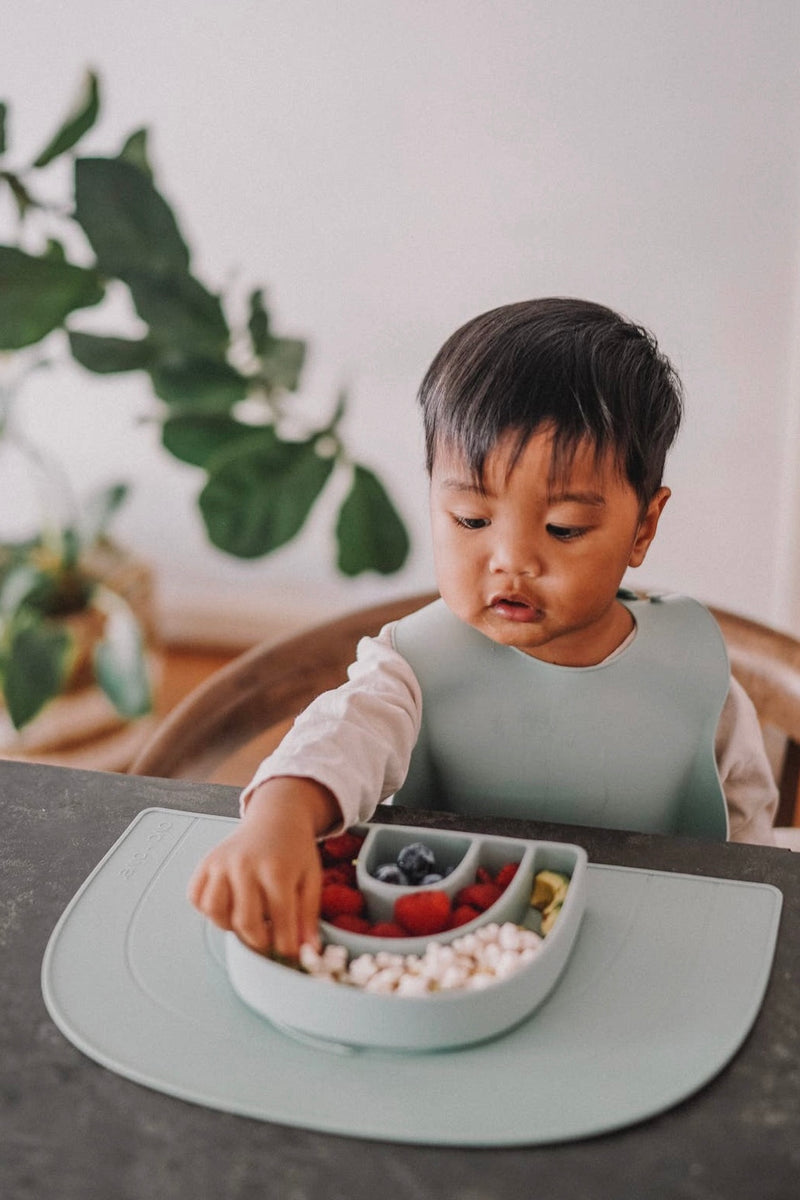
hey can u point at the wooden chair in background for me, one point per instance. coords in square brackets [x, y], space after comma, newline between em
[222, 729]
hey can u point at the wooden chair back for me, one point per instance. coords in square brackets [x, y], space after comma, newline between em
[223, 729]
[766, 663]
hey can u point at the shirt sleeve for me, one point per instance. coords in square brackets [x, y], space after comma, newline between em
[750, 790]
[357, 739]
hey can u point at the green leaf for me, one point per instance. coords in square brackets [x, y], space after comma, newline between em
[3, 116]
[22, 197]
[282, 361]
[97, 511]
[181, 313]
[259, 498]
[130, 226]
[341, 408]
[258, 323]
[370, 533]
[120, 663]
[37, 294]
[135, 151]
[107, 355]
[36, 669]
[55, 250]
[31, 590]
[199, 439]
[81, 119]
[199, 384]
[19, 584]
[70, 552]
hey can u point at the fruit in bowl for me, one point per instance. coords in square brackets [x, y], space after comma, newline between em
[436, 990]
[416, 913]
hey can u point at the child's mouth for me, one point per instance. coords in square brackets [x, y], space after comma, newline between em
[514, 609]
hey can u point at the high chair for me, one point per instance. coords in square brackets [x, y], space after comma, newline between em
[222, 729]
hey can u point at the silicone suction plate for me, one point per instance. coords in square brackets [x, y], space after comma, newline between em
[662, 985]
[324, 1009]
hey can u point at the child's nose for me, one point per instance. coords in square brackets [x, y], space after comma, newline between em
[516, 553]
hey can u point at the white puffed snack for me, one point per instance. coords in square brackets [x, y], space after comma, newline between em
[476, 960]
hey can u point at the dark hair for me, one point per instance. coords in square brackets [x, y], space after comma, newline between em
[572, 365]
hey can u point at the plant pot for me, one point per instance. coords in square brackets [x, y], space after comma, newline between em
[81, 727]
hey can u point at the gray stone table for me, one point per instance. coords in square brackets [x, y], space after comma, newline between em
[70, 1130]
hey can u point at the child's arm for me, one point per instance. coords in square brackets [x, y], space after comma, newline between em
[747, 780]
[348, 751]
[263, 881]
[357, 739]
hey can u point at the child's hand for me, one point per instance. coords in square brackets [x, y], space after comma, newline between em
[264, 881]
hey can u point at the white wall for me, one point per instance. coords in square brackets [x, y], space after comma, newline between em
[389, 169]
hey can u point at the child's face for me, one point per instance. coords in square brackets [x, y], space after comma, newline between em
[534, 566]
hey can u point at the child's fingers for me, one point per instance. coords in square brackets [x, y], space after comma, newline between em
[210, 892]
[285, 938]
[249, 917]
[266, 899]
[308, 911]
[281, 888]
[294, 908]
[197, 884]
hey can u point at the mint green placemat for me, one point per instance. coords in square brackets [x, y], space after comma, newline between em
[665, 980]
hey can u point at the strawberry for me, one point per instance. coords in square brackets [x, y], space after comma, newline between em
[479, 895]
[483, 876]
[387, 929]
[351, 923]
[462, 914]
[337, 899]
[505, 875]
[342, 847]
[423, 913]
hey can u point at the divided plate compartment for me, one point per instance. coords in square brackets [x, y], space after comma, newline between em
[335, 1012]
[461, 854]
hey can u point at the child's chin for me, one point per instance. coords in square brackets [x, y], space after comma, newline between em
[521, 635]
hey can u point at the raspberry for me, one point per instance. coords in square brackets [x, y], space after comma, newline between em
[387, 929]
[342, 847]
[462, 914]
[337, 899]
[351, 923]
[479, 895]
[505, 875]
[340, 873]
[423, 913]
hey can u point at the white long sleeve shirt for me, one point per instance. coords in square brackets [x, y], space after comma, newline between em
[357, 741]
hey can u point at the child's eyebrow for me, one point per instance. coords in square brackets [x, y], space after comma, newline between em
[462, 485]
[592, 498]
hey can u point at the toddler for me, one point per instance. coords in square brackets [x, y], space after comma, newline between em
[534, 686]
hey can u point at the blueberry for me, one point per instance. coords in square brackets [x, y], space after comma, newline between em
[416, 861]
[434, 877]
[390, 873]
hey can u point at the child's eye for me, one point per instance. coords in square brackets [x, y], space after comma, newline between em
[471, 522]
[566, 533]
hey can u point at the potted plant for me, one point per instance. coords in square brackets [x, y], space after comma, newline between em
[75, 623]
[223, 392]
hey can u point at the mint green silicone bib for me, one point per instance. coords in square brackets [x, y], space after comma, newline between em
[627, 744]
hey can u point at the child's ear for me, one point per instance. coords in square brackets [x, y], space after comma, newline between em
[648, 525]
